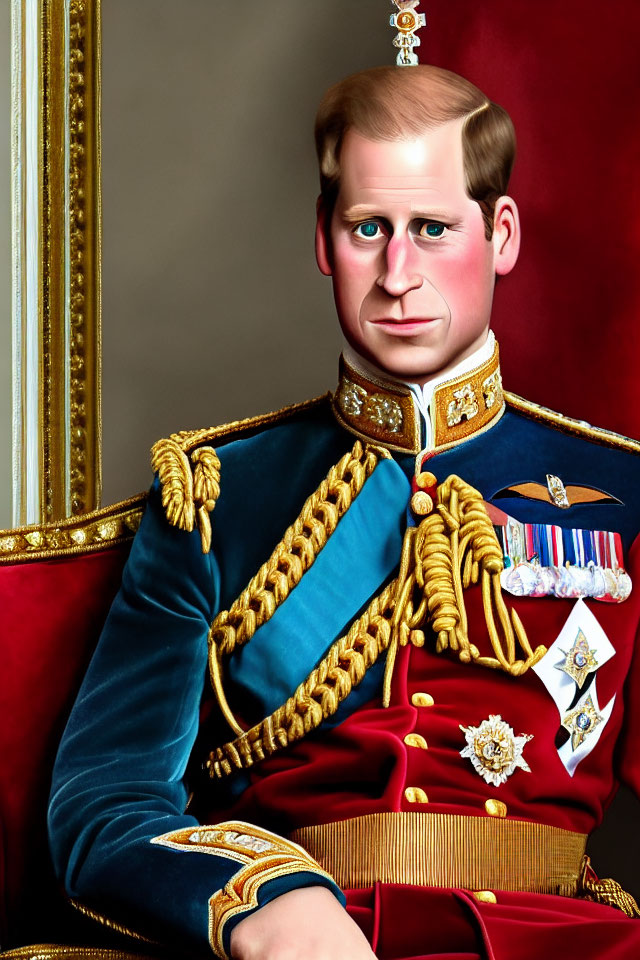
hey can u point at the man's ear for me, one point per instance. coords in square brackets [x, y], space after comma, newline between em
[323, 241]
[506, 235]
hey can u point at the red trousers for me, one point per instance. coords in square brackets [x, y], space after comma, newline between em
[412, 923]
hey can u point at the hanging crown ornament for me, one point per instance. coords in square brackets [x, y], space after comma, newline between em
[406, 21]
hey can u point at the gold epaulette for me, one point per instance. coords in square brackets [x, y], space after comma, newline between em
[189, 468]
[579, 428]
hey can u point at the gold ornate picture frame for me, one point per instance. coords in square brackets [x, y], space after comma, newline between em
[56, 258]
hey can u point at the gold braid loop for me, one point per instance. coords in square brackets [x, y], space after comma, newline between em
[319, 696]
[608, 892]
[295, 553]
[286, 566]
[452, 548]
[206, 489]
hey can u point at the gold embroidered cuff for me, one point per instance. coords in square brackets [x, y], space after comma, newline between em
[263, 856]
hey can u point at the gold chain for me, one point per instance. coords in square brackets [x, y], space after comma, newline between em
[290, 560]
[319, 696]
[453, 548]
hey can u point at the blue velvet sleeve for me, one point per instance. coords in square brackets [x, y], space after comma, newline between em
[119, 777]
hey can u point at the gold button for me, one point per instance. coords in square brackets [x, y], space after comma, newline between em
[495, 808]
[485, 896]
[415, 740]
[416, 795]
[422, 700]
[421, 503]
[425, 480]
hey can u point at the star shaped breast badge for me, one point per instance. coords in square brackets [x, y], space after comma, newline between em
[580, 661]
[581, 721]
[494, 749]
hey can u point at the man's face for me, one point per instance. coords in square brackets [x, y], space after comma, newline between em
[413, 273]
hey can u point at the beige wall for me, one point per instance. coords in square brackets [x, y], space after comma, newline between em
[213, 306]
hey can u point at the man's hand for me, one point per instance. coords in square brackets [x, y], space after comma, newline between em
[308, 924]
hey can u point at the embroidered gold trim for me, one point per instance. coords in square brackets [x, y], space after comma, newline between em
[88, 533]
[568, 425]
[109, 923]
[608, 892]
[498, 414]
[452, 548]
[236, 840]
[54, 951]
[447, 850]
[290, 560]
[263, 856]
[241, 893]
[385, 412]
[469, 403]
[189, 439]
[376, 412]
[191, 484]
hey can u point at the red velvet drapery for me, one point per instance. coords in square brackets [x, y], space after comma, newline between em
[568, 317]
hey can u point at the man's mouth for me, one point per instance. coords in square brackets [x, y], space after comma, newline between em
[405, 326]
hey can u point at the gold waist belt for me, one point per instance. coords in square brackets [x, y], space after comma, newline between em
[444, 850]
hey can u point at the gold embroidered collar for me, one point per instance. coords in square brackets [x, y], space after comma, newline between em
[386, 413]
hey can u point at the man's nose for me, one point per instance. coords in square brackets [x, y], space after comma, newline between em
[400, 272]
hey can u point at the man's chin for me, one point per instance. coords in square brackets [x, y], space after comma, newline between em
[412, 363]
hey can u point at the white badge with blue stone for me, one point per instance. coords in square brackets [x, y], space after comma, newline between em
[585, 723]
[570, 665]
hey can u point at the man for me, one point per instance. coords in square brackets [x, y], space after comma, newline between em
[413, 710]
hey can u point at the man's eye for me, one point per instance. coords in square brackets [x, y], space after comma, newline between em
[369, 230]
[432, 229]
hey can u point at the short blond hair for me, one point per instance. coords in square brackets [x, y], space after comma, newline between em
[393, 103]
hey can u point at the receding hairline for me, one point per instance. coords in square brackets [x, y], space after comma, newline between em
[398, 103]
[387, 103]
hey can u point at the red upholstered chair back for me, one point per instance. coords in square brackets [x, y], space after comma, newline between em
[56, 585]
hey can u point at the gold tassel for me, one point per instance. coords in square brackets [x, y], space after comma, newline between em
[174, 472]
[451, 549]
[189, 493]
[607, 891]
[206, 490]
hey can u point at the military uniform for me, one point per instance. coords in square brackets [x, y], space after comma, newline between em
[391, 714]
